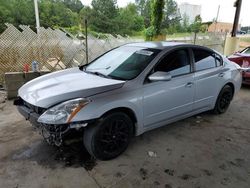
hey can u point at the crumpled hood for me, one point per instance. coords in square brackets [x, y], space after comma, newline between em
[60, 86]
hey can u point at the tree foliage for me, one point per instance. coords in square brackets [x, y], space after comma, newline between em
[63, 13]
[144, 9]
[171, 14]
[104, 16]
[157, 15]
[197, 25]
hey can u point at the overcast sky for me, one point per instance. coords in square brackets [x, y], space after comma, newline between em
[209, 9]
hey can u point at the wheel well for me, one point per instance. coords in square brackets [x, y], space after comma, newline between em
[231, 85]
[125, 110]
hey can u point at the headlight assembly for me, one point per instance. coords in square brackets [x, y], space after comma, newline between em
[64, 112]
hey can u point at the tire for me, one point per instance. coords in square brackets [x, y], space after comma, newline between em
[109, 137]
[223, 100]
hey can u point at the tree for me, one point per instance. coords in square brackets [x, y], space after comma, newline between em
[85, 13]
[56, 13]
[23, 12]
[107, 8]
[197, 25]
[171, 15]
[104, 16]
[129, 20]
[140, 4]
[144, 8]
[157, 15]
[185, 23]
[73, 5]
[5, 14]
[53, 13]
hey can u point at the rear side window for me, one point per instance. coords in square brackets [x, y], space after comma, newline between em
[203, 59]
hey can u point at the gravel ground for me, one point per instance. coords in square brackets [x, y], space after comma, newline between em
[201, 151]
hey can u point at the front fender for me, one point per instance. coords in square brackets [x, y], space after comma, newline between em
[102, 105]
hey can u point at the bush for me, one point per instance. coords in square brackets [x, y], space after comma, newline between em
[149, 33]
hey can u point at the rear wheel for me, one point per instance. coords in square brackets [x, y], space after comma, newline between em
[223, 100]
[109, 137]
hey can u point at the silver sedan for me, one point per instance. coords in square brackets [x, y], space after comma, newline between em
[128, 91]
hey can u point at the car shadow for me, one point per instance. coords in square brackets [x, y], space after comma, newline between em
[73, 154]
[244, 86]
[70, 154]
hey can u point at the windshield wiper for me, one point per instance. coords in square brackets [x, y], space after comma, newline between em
[100, 74]
[81, 67]
[103, 75]
[97, 73]
[103, 68]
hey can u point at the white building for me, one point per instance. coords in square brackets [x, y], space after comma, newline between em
[190, 11]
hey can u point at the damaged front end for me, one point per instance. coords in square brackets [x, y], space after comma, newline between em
[53, 134]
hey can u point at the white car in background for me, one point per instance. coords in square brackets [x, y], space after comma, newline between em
[128, 91]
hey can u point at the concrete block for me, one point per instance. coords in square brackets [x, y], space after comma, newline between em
[44, 72]
[14, 80]
[12, 94]
[15, 85]
[30, 76]
[13, 76]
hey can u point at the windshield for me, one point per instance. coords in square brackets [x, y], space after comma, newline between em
[123, 63]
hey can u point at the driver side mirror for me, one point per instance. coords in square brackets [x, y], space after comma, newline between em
[160, 76]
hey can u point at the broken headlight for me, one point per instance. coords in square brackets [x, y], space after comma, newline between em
[64, 112]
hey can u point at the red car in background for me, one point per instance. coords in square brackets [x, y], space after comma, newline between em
[242, 58]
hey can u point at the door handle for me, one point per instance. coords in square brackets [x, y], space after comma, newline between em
[189, 84]
[221, 74]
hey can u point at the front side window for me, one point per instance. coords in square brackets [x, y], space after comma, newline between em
[203, 59]
[176, 63]
[123, 63]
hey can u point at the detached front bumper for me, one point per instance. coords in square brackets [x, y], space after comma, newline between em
[29, 115]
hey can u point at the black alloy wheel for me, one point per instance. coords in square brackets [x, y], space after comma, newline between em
[109, 137]
[223, 100]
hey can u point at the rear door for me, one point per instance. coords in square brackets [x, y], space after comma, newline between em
[209, 75]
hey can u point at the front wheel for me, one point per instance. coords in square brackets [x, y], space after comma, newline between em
[109, 137]
[223, 100]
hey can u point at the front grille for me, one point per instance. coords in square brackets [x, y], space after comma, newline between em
[35, 109]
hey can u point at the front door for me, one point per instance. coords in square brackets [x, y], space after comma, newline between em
[164, 100]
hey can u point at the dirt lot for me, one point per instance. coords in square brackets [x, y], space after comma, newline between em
[202, 151]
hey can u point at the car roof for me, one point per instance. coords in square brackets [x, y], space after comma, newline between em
[157, 45]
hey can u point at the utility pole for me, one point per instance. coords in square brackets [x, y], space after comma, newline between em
[232, 43]
[237, 4]
[37, 16]
[216, 20]
[86, 41]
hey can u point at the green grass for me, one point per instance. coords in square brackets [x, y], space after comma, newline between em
[177, 35]
[245, 39]
[180, 35]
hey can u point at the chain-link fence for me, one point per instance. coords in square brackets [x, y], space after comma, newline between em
[57, 49]
[215, 41]
[53, 49]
